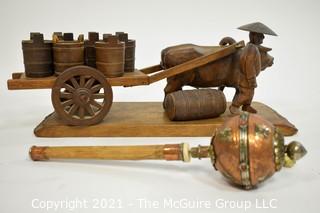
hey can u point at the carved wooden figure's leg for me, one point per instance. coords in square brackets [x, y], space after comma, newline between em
[243, 97]
[248, 94]
[234, 107]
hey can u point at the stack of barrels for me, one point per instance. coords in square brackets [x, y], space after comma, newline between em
[113, 55]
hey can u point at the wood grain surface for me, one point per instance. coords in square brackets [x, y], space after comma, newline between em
[148, 119]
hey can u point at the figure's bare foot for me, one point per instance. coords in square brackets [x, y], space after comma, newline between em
[234, 110]
[249, 108]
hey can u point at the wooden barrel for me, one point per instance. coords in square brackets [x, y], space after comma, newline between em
[130, 48]
[59, 35]
[110, 57]
[89, 49]
[195, 104]
[37, 56]
[67, 53]
[105, 36]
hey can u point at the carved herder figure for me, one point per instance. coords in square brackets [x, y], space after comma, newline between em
[245, 91]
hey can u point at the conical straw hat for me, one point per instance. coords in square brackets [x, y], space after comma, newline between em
[257, 27]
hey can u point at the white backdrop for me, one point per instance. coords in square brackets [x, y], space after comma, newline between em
[290, 87]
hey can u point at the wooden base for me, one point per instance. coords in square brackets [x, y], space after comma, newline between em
[148, 119]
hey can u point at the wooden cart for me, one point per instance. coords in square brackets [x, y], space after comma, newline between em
[82, 95]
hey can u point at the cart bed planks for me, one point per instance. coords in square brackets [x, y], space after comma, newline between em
[19, 81]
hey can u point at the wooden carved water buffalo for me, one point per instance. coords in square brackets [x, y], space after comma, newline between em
[238, 70]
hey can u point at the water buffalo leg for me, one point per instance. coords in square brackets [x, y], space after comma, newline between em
[235, 97]
[172, 86]
[221, 88]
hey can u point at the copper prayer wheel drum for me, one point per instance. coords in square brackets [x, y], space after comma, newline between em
[110, 56]
[37, 56]
[130, 48]
[186, 105]
[67, 53]
[248, 150]
[89, 49]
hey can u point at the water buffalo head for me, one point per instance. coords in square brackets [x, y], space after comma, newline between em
[266, 59]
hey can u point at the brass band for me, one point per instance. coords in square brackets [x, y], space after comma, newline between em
[278, 148]
[244, 155]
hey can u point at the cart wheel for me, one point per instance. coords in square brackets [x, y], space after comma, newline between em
[82, 96]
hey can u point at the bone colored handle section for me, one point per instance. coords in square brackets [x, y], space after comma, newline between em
[145, 152]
